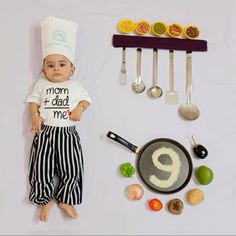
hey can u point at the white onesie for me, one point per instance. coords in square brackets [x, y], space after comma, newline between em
[57, 100]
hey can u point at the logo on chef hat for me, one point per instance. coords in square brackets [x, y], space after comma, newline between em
[60, 36]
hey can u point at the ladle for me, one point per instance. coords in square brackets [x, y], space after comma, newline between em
[155, 91]
[138, 85]
[189, 111]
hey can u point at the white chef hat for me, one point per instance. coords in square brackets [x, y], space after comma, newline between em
[59, 37]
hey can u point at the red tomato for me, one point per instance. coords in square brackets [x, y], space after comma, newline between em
[155, 204]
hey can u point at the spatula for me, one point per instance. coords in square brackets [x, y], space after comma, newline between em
[171, 95]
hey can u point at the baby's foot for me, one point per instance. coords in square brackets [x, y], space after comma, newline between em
[45, 210]
[69, 210]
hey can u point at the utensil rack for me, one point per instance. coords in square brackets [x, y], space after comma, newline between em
[171, 44]
[159, 43]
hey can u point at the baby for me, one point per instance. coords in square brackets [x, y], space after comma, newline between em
[56, 104]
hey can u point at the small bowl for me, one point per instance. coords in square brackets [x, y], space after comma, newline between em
[175, 30]
[126, 26]
[159, 28]
[142, 27]
[191, 32]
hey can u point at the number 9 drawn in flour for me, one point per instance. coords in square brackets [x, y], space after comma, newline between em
[173, 168]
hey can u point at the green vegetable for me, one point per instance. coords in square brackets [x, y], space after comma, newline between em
[127, 170]
[204, 175]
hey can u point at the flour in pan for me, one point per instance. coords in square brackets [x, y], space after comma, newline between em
[174, 168]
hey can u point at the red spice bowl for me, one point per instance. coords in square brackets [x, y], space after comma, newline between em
[175, 30]
[142, 27]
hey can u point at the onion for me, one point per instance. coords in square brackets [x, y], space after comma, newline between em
[134, 191]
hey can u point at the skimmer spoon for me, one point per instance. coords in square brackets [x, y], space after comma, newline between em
[188, 110]
[138, 85]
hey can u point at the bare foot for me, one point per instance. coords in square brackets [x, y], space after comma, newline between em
[69, 210]
[45, 210]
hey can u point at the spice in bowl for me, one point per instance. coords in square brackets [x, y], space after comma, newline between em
[126, 26]
[142, 27]
[175, 30]
[191, 32]
[159, 28]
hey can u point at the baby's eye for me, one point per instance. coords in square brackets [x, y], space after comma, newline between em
[62, 64]
[50, 66]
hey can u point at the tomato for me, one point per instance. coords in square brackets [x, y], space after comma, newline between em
[155, 204]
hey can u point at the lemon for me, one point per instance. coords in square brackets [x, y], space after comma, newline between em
[204, 175]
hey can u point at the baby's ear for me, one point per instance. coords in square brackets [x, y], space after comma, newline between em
[43, 72]
[72, 70]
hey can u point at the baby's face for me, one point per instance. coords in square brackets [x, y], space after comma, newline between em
[57, 68]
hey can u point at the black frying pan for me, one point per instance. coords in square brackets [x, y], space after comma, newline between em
[163, 164]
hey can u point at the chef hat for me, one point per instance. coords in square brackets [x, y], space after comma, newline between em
[59, 37]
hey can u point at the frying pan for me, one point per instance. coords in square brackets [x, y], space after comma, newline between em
[163, 164]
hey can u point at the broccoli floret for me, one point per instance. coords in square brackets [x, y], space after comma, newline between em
[127, 170]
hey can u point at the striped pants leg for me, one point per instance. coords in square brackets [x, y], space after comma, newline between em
[56, 151]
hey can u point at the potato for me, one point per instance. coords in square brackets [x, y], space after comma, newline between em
[195, 196]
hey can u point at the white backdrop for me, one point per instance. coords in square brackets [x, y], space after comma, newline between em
[106, 209]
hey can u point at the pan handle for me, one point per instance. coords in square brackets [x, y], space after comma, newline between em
[122, 141]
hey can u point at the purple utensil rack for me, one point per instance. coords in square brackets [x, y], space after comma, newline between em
[159, 43]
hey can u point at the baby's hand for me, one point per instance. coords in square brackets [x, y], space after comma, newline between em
[76, 113]
[36, 124]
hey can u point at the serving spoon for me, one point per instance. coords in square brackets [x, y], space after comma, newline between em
[155, 91]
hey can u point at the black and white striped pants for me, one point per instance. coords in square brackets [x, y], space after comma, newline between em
[56, 151]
